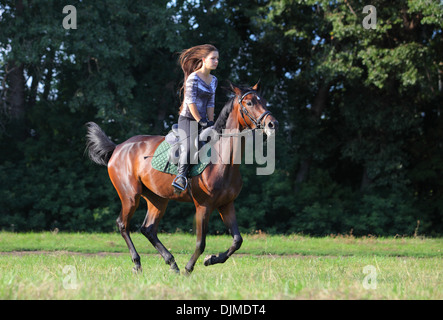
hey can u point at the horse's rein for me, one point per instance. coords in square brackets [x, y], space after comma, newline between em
[257, 121]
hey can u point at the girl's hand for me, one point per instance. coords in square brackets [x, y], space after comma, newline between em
[203, 124]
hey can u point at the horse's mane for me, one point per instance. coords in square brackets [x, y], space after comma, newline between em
[220, 124]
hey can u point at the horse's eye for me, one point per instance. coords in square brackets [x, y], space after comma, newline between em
[249, 103]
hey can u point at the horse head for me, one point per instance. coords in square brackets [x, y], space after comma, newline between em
[252, 110]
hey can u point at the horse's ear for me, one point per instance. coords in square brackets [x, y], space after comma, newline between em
[234, 88]
[257, 86]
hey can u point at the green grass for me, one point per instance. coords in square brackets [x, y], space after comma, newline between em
[85, 266]
[256, 244]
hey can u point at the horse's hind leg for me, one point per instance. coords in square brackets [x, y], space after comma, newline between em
[128, 208]
[227, 213]
[156, 210]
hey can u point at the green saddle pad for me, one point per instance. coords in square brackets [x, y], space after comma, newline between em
[160, 161]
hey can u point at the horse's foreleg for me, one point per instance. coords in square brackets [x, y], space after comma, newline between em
[156, 209]
[201, 228]
[227, 213]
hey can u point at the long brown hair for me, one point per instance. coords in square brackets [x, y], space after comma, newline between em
[191, 60]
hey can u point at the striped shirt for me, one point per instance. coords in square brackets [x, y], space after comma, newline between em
[199, 92]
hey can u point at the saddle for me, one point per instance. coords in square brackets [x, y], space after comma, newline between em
[167, 154]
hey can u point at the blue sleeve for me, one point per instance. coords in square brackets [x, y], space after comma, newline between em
[211, 103]
[191, 89]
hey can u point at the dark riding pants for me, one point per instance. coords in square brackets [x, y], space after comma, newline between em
[184, 124]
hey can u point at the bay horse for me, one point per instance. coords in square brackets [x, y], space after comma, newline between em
[216, 187]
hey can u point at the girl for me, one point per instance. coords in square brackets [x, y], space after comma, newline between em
[199, 100]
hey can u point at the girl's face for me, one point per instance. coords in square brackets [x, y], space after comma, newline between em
[211, 60]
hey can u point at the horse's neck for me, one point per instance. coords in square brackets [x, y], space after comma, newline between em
[228, 147]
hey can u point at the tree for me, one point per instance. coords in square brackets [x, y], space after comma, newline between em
[359, 146]
[355, 99]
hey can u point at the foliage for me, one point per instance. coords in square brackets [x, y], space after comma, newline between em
[359, 147]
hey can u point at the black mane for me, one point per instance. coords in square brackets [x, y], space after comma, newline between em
[220, 124]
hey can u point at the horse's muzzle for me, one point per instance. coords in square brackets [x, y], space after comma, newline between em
[271, 128]
[273, 125]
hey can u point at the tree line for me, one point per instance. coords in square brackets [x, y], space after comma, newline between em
[359, 149]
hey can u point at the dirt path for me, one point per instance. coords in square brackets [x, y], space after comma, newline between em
[104, 253]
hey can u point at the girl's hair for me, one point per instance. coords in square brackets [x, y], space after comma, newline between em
[191, 60]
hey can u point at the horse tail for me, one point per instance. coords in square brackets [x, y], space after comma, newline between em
[98, 145]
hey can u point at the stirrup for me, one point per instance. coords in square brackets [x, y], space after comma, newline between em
[175, 185]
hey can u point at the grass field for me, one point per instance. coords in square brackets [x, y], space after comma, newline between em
[98, 266]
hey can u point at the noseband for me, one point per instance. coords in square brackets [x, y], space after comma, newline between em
[244, 111]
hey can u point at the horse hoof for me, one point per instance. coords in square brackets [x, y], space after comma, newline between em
[174, 268]
[187, 273]
[208, 260]
[137, 270]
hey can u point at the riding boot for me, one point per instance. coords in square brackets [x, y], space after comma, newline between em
[181, 181]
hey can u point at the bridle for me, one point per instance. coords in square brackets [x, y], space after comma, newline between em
[243, 111]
